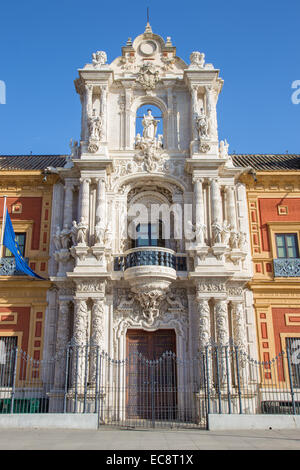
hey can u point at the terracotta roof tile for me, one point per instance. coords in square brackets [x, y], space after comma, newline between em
[268, 162]
[30, 162]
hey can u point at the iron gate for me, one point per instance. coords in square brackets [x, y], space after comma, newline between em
[138, 392]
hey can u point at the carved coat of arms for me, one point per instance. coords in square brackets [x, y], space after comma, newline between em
[148, 76]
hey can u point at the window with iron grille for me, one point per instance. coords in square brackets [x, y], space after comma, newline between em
[293, 344]
[8, 346]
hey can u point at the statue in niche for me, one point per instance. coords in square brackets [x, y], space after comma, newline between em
[202, 125]
[95, 126]
[150, 126]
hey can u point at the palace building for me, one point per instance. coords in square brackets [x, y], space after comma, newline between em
[274, 221]
[170, 264]
[29, 203]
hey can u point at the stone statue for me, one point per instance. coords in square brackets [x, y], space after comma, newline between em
[100, 232]
[234, 239]
[99, 58]
[217, 232]
[150, 126]
[197, 59]
[223, 149]
[95, 126]
[78, 232]
[200, 233]
[65, 237]
[82, 232]
[202, 125]
[56, 238]
[242, 241]
[226, 233]
[74, 148]
[73, 232]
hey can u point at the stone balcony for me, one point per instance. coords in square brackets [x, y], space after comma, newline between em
[286, 267]
[150, 256]
[150, 270]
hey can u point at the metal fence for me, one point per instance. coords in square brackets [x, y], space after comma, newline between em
[168, 391]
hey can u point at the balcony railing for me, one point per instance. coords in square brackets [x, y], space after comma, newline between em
[8, 266]
[153, 256]
[287, 267]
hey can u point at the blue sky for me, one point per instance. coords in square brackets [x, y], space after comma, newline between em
[256, 46]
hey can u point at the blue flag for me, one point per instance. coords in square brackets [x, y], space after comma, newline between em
[9, 240]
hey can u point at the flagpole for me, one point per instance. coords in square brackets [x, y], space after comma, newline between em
[3, 227]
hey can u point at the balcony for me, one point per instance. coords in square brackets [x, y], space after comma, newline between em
[286, 267]
[8, 266]
[150, 256]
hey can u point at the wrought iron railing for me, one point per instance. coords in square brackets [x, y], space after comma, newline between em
[287, 267]
[8, 266]
[150, 257]
[137, 391]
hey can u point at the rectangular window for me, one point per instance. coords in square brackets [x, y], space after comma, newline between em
[21, 239]
[287, 245]
[293, 344]
[8, 346]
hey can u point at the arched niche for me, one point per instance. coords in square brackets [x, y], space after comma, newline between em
[150, 101]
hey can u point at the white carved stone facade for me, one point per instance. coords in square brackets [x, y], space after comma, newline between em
[196, 281]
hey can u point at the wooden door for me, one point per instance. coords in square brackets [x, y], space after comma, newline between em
[151, 374]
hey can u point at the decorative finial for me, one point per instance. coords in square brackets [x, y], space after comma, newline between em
[129, 42]
[148, 27]
[168, 41]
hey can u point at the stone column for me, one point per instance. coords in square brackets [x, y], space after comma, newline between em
[88, 107]
[97, 337]
[128, 101]
[170, 127]
[239, 326]
[103, 112]
[100, 201]
[62, 339]
[230, 205]
[80, 337]
[211, 112]
[204, 336]
[194, 110]
[216, 201]
[68, 203]
[85, 198]
[204, 322]
[199, 210]
[222, 336]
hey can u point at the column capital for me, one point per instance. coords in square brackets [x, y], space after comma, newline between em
[85, 179]
[198, 179]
